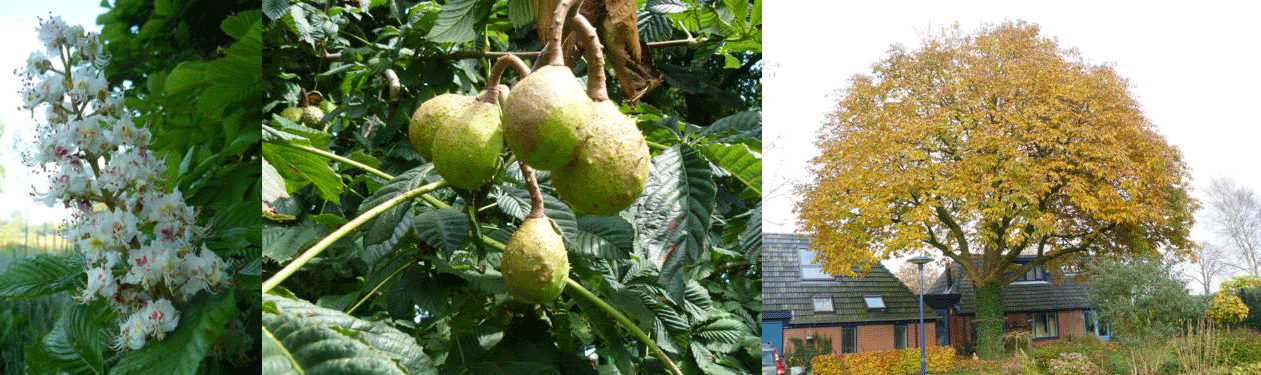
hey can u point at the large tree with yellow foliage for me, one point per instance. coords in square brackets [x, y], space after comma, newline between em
[987, 146]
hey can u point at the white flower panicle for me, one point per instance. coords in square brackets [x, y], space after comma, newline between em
[143, 251]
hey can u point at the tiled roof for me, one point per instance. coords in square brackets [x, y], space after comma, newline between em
[783, 288]
[1019, 296]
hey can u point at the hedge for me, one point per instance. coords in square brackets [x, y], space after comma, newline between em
[890, 362]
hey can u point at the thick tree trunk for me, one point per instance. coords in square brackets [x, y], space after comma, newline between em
[989, 320]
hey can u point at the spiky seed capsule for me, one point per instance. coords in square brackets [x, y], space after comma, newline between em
[535, 263]
[543, 117]
[293, 114]
[429, 115]
[311, 115]
[611, 167]
[466, 149]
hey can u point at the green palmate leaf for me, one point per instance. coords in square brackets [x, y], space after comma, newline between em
[457, 21]
[520, 12]
[751, 238]
[301, 168]
[674, 214]
[38, 276]
[275, 9]
[665, 6]
[281, 242]
[654, 27]
[446, 229]
[74, 345]
[301, 338]
[608, 237]
[201, 323]
[737, 128]
[383, 232]
[515, 201]
[696, 300]
[743, 163]
[237, 25]
[721, 334]
[298, 24]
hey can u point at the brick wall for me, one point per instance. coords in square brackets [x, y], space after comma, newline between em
[871, 338]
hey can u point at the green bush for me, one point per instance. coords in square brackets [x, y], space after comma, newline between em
[1043, 355]
[1241, 346]
[1072, 364]
[1252, 298]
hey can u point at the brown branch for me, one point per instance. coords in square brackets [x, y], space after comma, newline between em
[395, 87]
[955, 229]
[536, 195]
[596, 87]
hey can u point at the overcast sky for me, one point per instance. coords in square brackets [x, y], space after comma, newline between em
[1193, 67]
[20, 39]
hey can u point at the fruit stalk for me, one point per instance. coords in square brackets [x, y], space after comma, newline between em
[626, 322]
[596, 87]
[501, 64]
[536, 195]
[553, 48]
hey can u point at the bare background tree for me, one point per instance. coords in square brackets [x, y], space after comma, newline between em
[909, 274]
[1209, 265]
[1234, 214]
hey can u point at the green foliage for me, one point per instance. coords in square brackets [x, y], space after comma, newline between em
[680, 263]
[1241, 346]
[38, 276]
[1251, 298]
[1140, 298]
[301, 338]
[74, 345]
[804, 351]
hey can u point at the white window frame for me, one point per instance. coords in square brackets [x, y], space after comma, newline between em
[824, 300]
[810, 270]
[867, 300]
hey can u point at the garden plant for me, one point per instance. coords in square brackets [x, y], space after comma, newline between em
[165, 266]
[454, 188]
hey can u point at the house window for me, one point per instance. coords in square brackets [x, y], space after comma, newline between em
[1044, 325]
[874, 302]
[849, 339]
[1036, 273]
[809, 270]
[822, 304]
[899, 336]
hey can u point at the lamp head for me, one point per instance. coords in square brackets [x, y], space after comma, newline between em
[920, 260]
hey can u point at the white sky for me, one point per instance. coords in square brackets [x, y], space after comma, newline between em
[20, 39]
[1193, 67]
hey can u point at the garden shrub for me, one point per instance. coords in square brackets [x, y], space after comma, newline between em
[1072, 364]
[1017, 340]
[1251, 369]
[826, 364]
[1251, 298]
[1089, 340]
[1043, 355]
[1241, 346]
[940, 359]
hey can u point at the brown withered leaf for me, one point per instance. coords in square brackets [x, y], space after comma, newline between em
[629, 56]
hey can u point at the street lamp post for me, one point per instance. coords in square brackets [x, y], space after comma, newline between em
[919, 261]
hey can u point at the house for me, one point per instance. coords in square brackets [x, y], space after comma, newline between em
[1052, 307]
[872, 313]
